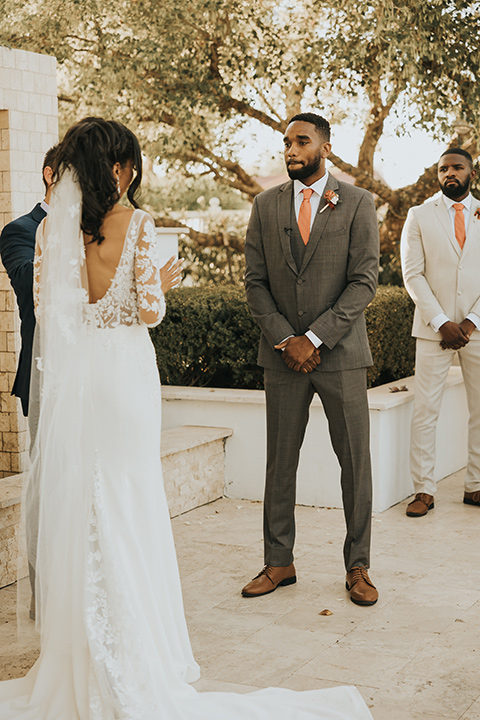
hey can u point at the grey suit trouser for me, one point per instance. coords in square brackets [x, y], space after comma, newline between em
[344, 399]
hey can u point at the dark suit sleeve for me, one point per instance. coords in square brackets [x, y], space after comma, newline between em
[17, 251]
[262, 306]
[361, 276]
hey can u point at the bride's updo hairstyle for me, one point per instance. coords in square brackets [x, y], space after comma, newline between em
[91, 148]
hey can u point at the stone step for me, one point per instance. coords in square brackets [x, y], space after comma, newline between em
[193, 460]
[11, 564]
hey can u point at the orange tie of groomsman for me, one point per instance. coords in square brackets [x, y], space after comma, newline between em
[305, 215]
[460, 233]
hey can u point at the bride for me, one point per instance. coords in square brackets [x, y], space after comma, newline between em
[114, 643]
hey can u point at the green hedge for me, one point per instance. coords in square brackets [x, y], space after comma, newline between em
[208, 338]
[389, 325]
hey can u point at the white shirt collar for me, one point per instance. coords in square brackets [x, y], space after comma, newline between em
[466, 202]
[44, 206]
[318, 186]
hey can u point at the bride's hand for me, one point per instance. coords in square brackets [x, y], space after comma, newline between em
[170, 274]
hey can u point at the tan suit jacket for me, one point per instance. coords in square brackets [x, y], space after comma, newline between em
[438, 275]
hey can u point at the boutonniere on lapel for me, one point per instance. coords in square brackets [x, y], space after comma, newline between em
[476, 214]
[332, 199]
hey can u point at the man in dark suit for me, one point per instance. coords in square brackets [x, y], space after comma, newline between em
[17, 249]
[311, 270]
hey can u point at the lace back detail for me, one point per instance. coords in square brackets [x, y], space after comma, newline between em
[135, 293]
[136, 285]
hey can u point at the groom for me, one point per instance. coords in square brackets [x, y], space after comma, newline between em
[311, 269]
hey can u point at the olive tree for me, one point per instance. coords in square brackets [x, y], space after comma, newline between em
[188, 76]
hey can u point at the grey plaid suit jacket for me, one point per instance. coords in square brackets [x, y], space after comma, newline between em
[332, 288]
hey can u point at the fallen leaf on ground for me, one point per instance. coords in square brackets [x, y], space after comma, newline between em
[394, 389]
[326, 612]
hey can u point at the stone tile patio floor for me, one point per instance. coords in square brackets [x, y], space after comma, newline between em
[415, 654]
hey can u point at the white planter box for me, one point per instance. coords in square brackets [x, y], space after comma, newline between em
[319, 472]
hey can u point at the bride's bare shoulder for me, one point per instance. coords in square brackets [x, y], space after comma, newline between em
[118, 218]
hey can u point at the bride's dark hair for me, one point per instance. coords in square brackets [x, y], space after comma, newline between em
[91, 148]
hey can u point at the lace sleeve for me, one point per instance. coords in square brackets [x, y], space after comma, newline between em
[37, 264]
[151, 301]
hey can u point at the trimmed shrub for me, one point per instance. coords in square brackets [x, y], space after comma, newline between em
[389, 320]
[209, 338]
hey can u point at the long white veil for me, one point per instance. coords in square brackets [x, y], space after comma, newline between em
[58, 459]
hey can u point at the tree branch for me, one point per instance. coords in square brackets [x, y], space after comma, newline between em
[373, 133]
[204, 239]
[241, 181]
[226, 102]
[267, 103]
[82, 39]
[366, 180]
[64, 98]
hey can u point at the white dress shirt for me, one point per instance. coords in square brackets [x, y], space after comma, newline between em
[318, 188]
[44, 206]
[441, 318]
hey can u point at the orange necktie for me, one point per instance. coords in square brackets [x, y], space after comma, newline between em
[305, 215]
[459, 224]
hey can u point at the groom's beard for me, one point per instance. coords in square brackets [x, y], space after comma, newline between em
[455, 189]
[305, 171]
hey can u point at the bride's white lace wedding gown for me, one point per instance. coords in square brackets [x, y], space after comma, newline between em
[114, 640]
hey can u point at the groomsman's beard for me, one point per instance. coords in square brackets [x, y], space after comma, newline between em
[305, 171]
[455, 190]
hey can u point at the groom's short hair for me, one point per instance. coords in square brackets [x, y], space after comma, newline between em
[50, 160]
[322, 125]
[458, 151]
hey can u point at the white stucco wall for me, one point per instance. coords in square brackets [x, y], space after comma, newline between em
[28, 128]
[319, 471]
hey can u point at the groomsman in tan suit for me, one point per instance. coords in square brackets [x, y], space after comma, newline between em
[441, 269]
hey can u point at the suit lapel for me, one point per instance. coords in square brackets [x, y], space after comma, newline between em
[320, 222]
[473, 229]
[442, 214]
[284, 206]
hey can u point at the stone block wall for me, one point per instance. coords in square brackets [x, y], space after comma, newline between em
[13, 559]
[28, 128]
[193, 462]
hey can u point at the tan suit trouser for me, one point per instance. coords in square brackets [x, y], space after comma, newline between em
[431, 370]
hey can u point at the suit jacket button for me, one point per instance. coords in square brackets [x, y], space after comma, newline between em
[300, 312]
[299, 281]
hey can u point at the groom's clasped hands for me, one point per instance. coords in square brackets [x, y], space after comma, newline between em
[300, 354]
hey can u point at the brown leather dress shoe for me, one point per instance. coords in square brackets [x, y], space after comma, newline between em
[420, 505]
[362, 590]
[269, 579]
[472, 498]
